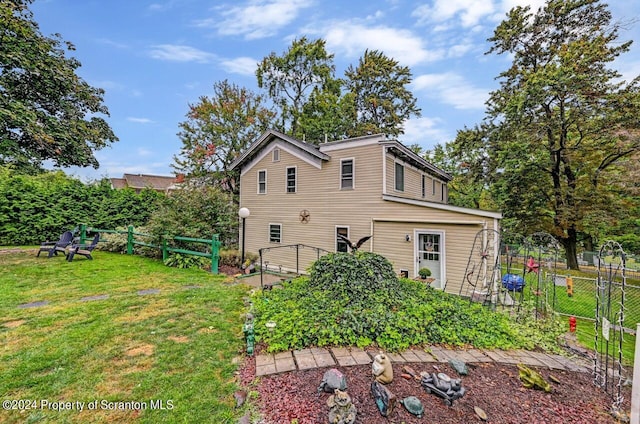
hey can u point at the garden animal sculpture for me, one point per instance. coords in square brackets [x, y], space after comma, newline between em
[355, 246]
[381, 369]
[341, 410]
[532, 379]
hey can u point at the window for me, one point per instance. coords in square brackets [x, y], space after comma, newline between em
[399, 177]
[424, 185]
[291, 179]
[275, 233]
[275, 155]
[341, 245]
[346, 174]
[433, 187]
[262, 182]
[443, 193]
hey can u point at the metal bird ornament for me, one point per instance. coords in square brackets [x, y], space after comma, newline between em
[355, 246]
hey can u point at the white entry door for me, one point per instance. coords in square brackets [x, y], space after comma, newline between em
[430, 249]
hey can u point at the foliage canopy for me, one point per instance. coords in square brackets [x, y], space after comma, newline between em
[217, 130]
[47, 112]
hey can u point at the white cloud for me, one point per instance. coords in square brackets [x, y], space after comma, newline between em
[240, 65]
[402, 45]
[180, 53]
[140, 120]
[449, 14]
[453, 89]
[426, 132]
[144, 152]
[468, 12]
[256, 18]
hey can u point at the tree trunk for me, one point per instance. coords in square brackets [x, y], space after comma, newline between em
[570, 244]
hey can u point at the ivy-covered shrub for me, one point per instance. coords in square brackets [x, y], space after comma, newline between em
[347, 303]
[356, 278]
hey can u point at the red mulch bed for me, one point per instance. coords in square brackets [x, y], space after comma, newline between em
[495, 388]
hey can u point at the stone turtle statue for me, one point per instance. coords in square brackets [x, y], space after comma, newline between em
[413, 405]
[341, 409]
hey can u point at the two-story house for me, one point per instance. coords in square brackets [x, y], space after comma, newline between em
[371, 185]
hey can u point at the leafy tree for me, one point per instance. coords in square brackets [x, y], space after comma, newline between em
[46, 110]
[561, 123]
[328, 114]
[217, 130]
[381, 98]
[291, 78]
[466, 162]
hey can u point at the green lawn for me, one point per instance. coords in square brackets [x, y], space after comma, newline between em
[176, 346]
[582, 304]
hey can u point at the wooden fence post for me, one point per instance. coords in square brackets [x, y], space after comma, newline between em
[164, 247]
[130, 240]
[215, 253]
[83, 233]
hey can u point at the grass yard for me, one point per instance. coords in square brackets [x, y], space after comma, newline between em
[176, 346]
[583, 305]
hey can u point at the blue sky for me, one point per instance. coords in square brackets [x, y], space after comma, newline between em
[154, 58]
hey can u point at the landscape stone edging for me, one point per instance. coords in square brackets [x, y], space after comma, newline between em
[304, 359]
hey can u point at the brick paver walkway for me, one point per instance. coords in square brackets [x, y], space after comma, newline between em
[319, 358]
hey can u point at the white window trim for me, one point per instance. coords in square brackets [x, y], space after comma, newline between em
[275, 155]
[269, 233]
[286, 180]
[395, 182]
[353, 174]
[265, 181]
[336, 235]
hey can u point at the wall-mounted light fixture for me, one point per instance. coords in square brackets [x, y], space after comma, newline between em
[407, 237]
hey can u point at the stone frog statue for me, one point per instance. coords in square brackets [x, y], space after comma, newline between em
[381, 369]
[341, 410]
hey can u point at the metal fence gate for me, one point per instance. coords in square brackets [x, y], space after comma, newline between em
[609, 322]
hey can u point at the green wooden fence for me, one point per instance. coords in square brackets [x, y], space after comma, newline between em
[165, 247]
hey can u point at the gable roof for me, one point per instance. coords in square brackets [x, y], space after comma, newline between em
[316, 153]
[141, 181]
[267, 137]
[403, 152]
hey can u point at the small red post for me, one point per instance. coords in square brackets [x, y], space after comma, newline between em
[572, 324]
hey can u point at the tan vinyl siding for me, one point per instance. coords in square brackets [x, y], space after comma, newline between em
[318, 192]
[412, 182]
[458, 240]
[362, 209]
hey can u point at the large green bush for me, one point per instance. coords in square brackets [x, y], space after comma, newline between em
[197, 212]
[34, 208]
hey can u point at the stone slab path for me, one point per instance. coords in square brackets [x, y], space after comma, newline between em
[319, 358]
